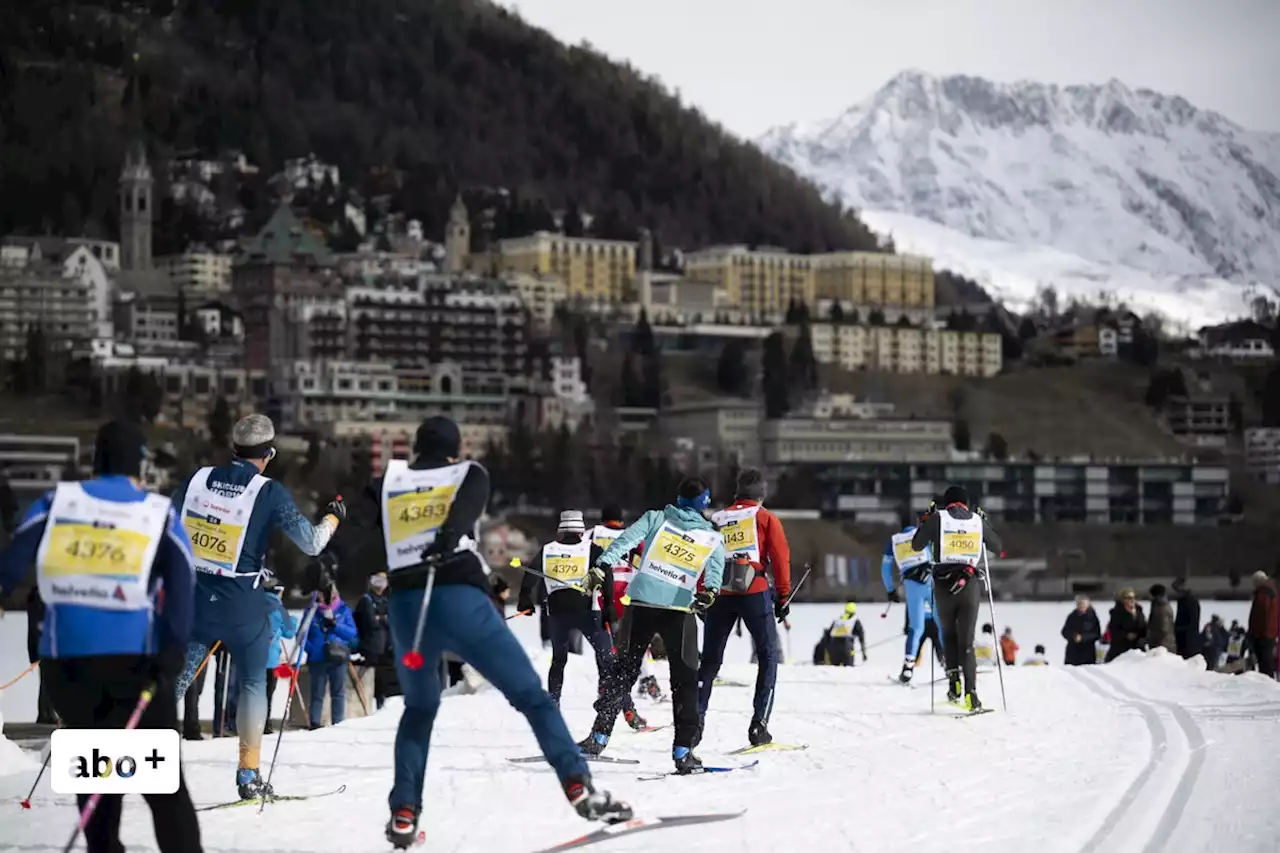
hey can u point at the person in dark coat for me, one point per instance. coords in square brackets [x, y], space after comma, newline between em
[1082, 630]
[375, 637]
[1127, 627]
[1213, 642]
[1160, 625]
[35, 618]
[1264, 623]
[1186, 624]
[499, 592]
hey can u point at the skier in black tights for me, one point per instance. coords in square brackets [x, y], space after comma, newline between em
[957, 536]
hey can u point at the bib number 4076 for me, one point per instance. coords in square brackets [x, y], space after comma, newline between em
[209, 542]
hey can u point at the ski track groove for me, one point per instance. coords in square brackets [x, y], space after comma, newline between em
[1190, 774]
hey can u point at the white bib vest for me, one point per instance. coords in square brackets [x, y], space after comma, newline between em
[738, 528]
[842, 628]
[904, 555]
[99, 553]
[676, 557]
[960, 539]
[217, 523]
[565, 566]
[984, 652]
[414, 505]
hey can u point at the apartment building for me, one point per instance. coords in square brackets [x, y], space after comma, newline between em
[540, 294]
[906, 349]
[383, 441]
[1201, 421]
[198, 275]
[874, 278]
[831, 440]
[92, 262]
[717, 428]
[42, 295]
[33, 464]
[591, 269]
[1097, 492]
[1262, 454]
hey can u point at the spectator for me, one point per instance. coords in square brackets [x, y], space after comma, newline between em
[1038, 659]
[1263, 624]
[282, 626]
[984, 647]
[375, 636]
[1082, 632]
[1127, 626]
[1008, 647]
[330, 639]
[45, 714]
[1235, 646]
[1187, 620]
[499, 592]
[1213, 642]
[1160, 630]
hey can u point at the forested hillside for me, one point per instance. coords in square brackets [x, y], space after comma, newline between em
[414, 99]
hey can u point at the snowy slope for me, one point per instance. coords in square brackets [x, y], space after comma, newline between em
[1132, 179]
[1083, 761]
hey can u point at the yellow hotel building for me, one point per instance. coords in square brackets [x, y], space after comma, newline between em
[603, 270]
[763, 282]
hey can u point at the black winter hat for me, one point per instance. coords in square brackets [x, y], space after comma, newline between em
[611, 512]
[751, 484]
[955, 495]
[119, 449]
[1157, 590]
[438, 437]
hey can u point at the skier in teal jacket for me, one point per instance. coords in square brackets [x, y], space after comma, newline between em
[681, 548]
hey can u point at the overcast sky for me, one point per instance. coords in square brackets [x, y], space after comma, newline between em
[751, 64]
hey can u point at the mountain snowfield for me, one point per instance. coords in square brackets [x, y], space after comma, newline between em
[1141, 194]
[1149, 753]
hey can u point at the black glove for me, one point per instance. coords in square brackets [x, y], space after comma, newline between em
[961, 579]
[895, 596]
[525, 603]
[702, 601]
[933, 507]
[337, 508]
[780, 609]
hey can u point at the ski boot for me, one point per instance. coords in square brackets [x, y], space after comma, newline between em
[634, 719]
[908, 669]
[686, 761]
[594, 743]
[402, 828]
[953, 686]
[649, 687]
[758, 733]
[591, 804]
[971, 703]
[251, 785]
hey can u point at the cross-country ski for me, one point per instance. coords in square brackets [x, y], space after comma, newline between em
[700, 771]
[637, 825]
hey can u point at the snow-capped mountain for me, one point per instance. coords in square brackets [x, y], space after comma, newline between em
[1111, 175]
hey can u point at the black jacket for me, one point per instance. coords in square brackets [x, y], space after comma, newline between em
[371, 626]
[1128, 630]
[1186, 625]
[533, 589]
[1088, 628]
[928, 534]
[35, 616]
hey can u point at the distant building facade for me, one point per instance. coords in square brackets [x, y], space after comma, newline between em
[591, 269]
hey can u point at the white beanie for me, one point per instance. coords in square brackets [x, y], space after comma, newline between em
[571, 522]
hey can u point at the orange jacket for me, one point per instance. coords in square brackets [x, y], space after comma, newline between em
[773, 546]
[1008, 649]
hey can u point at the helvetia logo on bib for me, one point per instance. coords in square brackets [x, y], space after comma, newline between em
[118, 595]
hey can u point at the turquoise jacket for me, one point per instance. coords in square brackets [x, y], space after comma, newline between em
[648, 590]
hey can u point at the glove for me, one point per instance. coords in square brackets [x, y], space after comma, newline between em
[962, 579]
[780, 609]
[933, 507]
[980, 513]
[337, 508]
[525, 603]
[702, 601]
[895, 596]
[594, 579]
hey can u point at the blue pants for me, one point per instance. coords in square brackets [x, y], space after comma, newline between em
[463, 620]
[322, 673]
[587, 622]
[756, 612]
[919, 599]
[249, 643]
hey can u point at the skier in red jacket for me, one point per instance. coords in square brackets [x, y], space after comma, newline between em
[603, 534]
[755, 547]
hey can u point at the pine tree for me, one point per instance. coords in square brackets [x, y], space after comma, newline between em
[960, 433]
[804, 365]
[775, 381]
[731, 370]
[220, 423]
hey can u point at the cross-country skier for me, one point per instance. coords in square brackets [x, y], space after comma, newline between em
[429, 511]
[229, 512]
[603, 534]
[756, 549]
[841, 638]
[917, 582]
[568, 559]
[956, 537]
[108, 638]
[681, 548]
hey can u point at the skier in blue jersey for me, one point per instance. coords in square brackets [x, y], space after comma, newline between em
[917, 582]
[229, 512]
[114, 568]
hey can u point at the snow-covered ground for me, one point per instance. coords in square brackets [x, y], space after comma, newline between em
[1144, 754]
[1014, 274]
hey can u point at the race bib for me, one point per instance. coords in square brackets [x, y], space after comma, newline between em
[87, 549]
[984, 652]
[566, 569]
[962, 543]
[841, 631]
[213, 540]
[418, 512]
[674, 550]
[903, 552]
[740, 535]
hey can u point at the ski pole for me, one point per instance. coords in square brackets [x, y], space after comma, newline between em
[87, 814]
[413, 659]
[521, 613]
[796, 588]
[355, 679]
[26, 803]
[292, 672]
[991, 599]
[224, 665]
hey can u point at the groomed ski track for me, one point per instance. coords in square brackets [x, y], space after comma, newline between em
[1146, 754]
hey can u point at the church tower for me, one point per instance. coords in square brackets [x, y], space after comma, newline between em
[457, 238]
[135, 210]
